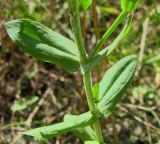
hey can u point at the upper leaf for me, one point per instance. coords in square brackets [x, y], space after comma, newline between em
[43, 43]
[82, 120]
[114, 84]
[129, 5]
[105, 52]
[85, 4]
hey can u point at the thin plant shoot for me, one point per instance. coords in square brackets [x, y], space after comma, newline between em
[47, 45]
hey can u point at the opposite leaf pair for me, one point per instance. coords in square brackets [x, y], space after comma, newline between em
[107, 94]
[47, 45]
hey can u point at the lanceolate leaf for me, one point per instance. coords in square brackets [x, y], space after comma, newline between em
[110, 30]
[82, 120]
[105, 52]
[129, 5]
[85, 4]
[41, 42]
[84, 133]
[114, 84]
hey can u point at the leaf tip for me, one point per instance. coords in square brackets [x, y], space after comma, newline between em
[25, 133]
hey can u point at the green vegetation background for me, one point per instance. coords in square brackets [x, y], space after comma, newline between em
[34, 93]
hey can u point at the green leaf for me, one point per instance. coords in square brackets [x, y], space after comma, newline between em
[107, 10]
[24, 103]
[85, 4]
[43, 43]
[153, 59]
[105, 52]
[82, 120]
[107, 34]
[84, 133]
[91, 142]
[114, 84]
[129, 5]
[95, 90]
[73, 6]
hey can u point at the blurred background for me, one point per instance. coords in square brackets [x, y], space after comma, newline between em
[34, 93]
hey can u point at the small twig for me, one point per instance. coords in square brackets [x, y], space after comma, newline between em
[140, 107]
[31, 116]
[16, 137]
[147, 124]
[156, 117]
[17, 97]
[150, 109]
[140, 59]
[148, 128]
[95, 19]
[36, 109]
[140, 120]
[143, 43]
[18, 129]
[115, 133]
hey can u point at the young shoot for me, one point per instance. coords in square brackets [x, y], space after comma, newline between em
[47, 45]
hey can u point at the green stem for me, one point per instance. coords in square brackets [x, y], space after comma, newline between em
[97, 128]
[76, 27]
[111, 29]
[88, 88]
